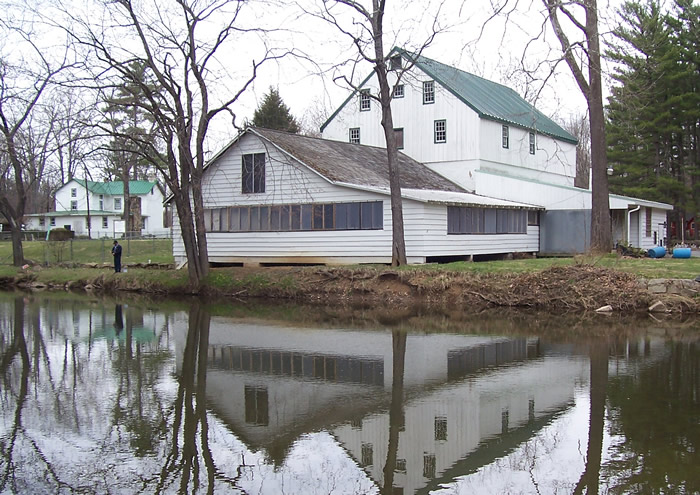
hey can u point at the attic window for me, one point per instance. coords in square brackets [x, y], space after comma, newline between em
[505, 136]
[398, 91]
[73, 192]
[428, 92]
[398, 135]
[253, 173]
[532, 143]
[364, 100]
[395, 62]
[354, 135]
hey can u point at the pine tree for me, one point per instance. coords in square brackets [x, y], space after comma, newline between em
[274, 114]
[643, 118]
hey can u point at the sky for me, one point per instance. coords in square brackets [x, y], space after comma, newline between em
[491, 49]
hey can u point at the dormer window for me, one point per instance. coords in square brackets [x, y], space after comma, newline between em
[428, 92]
[364, 100]
[395, 62]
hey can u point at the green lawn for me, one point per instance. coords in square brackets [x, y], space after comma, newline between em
[667, 267]
[91, 251]
[160, 251]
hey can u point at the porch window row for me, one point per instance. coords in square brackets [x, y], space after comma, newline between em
[296, 217]
[465, 220]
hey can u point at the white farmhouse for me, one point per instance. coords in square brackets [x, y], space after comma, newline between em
[486, 138]
[274, 197]
[97, 209]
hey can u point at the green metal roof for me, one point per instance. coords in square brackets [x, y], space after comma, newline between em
[116, 188]
[490, 100]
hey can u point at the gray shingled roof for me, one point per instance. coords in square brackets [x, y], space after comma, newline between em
[354, 163]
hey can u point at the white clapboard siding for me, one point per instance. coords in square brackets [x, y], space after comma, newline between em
[425, 225]
[469, 137]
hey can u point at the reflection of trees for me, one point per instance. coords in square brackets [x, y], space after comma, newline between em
[182, 463]
[656, 412]
[17, 446]
[144, 418]
[396, 413]
[598, 353]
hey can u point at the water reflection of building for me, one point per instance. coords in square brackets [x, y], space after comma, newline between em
[463, 395]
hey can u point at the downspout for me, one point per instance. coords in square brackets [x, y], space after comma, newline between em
[629, 219]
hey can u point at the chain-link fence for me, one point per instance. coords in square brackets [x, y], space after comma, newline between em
[136, 248]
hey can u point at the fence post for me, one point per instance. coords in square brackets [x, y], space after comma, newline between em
[103, 250]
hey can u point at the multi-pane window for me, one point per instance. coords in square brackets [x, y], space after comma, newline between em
[117, 203]
[256, 405]
[398, 91]
[364, 100]
[53, 222]
[253, 173]
[104, 223]
[647, 230]
[440, 131]
[398, 135]
[395, 62]
[367, 454]
[465, 220]
[505, 136]
[428, 92]
[441, 428]
[101, 202]
[73, 192]
[532, 143]
[42, 222]
[533, 217]
[354, 135]
[74, 205]
[296, 217]
[429, 466]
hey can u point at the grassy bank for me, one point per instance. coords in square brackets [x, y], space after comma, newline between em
[581, 283]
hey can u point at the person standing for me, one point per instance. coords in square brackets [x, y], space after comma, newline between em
[117, 253]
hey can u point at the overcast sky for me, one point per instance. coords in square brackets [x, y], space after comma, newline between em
[494, 53]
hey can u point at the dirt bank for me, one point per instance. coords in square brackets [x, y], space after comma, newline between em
[570, 288]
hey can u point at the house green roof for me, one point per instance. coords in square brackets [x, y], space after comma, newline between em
[116, 188]
[488, 99]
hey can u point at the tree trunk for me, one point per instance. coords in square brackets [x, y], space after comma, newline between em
[601, 233]
[398, 243]
[17, 248]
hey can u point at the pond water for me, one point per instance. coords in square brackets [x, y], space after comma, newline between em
[124, 396]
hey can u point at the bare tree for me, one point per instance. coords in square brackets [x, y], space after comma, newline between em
[579, 128]
[588, 56]
[25, 80]
[367, 35]
[180, 45]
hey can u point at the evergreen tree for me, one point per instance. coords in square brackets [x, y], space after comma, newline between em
[274, 114]
[653, 110]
